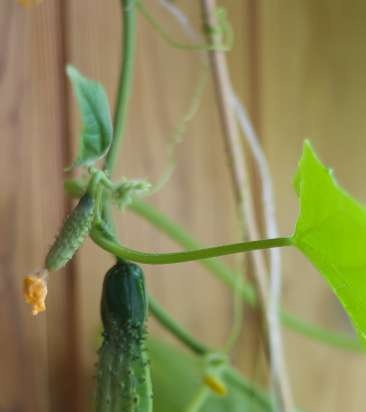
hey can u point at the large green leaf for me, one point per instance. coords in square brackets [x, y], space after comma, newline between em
[97, 131]
[331, 232]
[177, 376]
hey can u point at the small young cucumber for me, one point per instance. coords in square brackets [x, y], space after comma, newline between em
[73, 233]
[123, 376]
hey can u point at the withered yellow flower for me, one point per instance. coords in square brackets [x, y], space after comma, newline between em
[29, 3]
[35, 292]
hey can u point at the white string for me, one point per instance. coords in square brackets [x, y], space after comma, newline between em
[268, 202]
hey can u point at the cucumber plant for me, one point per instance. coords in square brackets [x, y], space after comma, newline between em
[123, 373]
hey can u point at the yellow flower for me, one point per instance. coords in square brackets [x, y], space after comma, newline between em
[215, 384]
[35, 292]
[29, 3]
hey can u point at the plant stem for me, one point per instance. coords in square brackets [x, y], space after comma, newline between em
[198, 399]
[125, 80]
[226, 275]
[123, 94]
[175, 328]
[199, 348]
[338, 340]
[111, 245]
[238, 313]
[233, 376]
[180, 236]
[230, 375]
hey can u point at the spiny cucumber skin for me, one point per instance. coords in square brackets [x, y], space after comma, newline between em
[123, 376]
[73, 233]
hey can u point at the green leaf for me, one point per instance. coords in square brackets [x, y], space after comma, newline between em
[97, 130]
[331, 232]
[177, 376]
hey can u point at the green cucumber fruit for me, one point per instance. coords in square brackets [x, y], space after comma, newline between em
[123, 376]
[73, 233]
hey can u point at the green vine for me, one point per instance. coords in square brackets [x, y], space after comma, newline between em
[176, 329]
[106, 241]
[125, 80]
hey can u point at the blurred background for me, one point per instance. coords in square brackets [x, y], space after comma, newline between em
[299, 66]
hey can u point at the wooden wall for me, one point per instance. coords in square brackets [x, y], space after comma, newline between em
[312, 65]
[299, 65]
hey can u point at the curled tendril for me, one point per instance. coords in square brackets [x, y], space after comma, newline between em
[222, 28]
[122, 192]
[222, 31]
[125, 191]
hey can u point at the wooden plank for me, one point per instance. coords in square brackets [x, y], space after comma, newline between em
[313, 86]
[311, 83]
[23, 341]
[33, 151]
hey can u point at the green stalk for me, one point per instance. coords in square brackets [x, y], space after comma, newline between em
[229, 374]
[125, 80]
[116, 249]
[179, 235]
[234, 376]
[335, 339]
[226, 275]
[199, 399]
[176, 329]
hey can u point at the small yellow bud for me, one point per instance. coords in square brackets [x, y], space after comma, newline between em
[215, 384]
[29, 3]
[35, 292]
